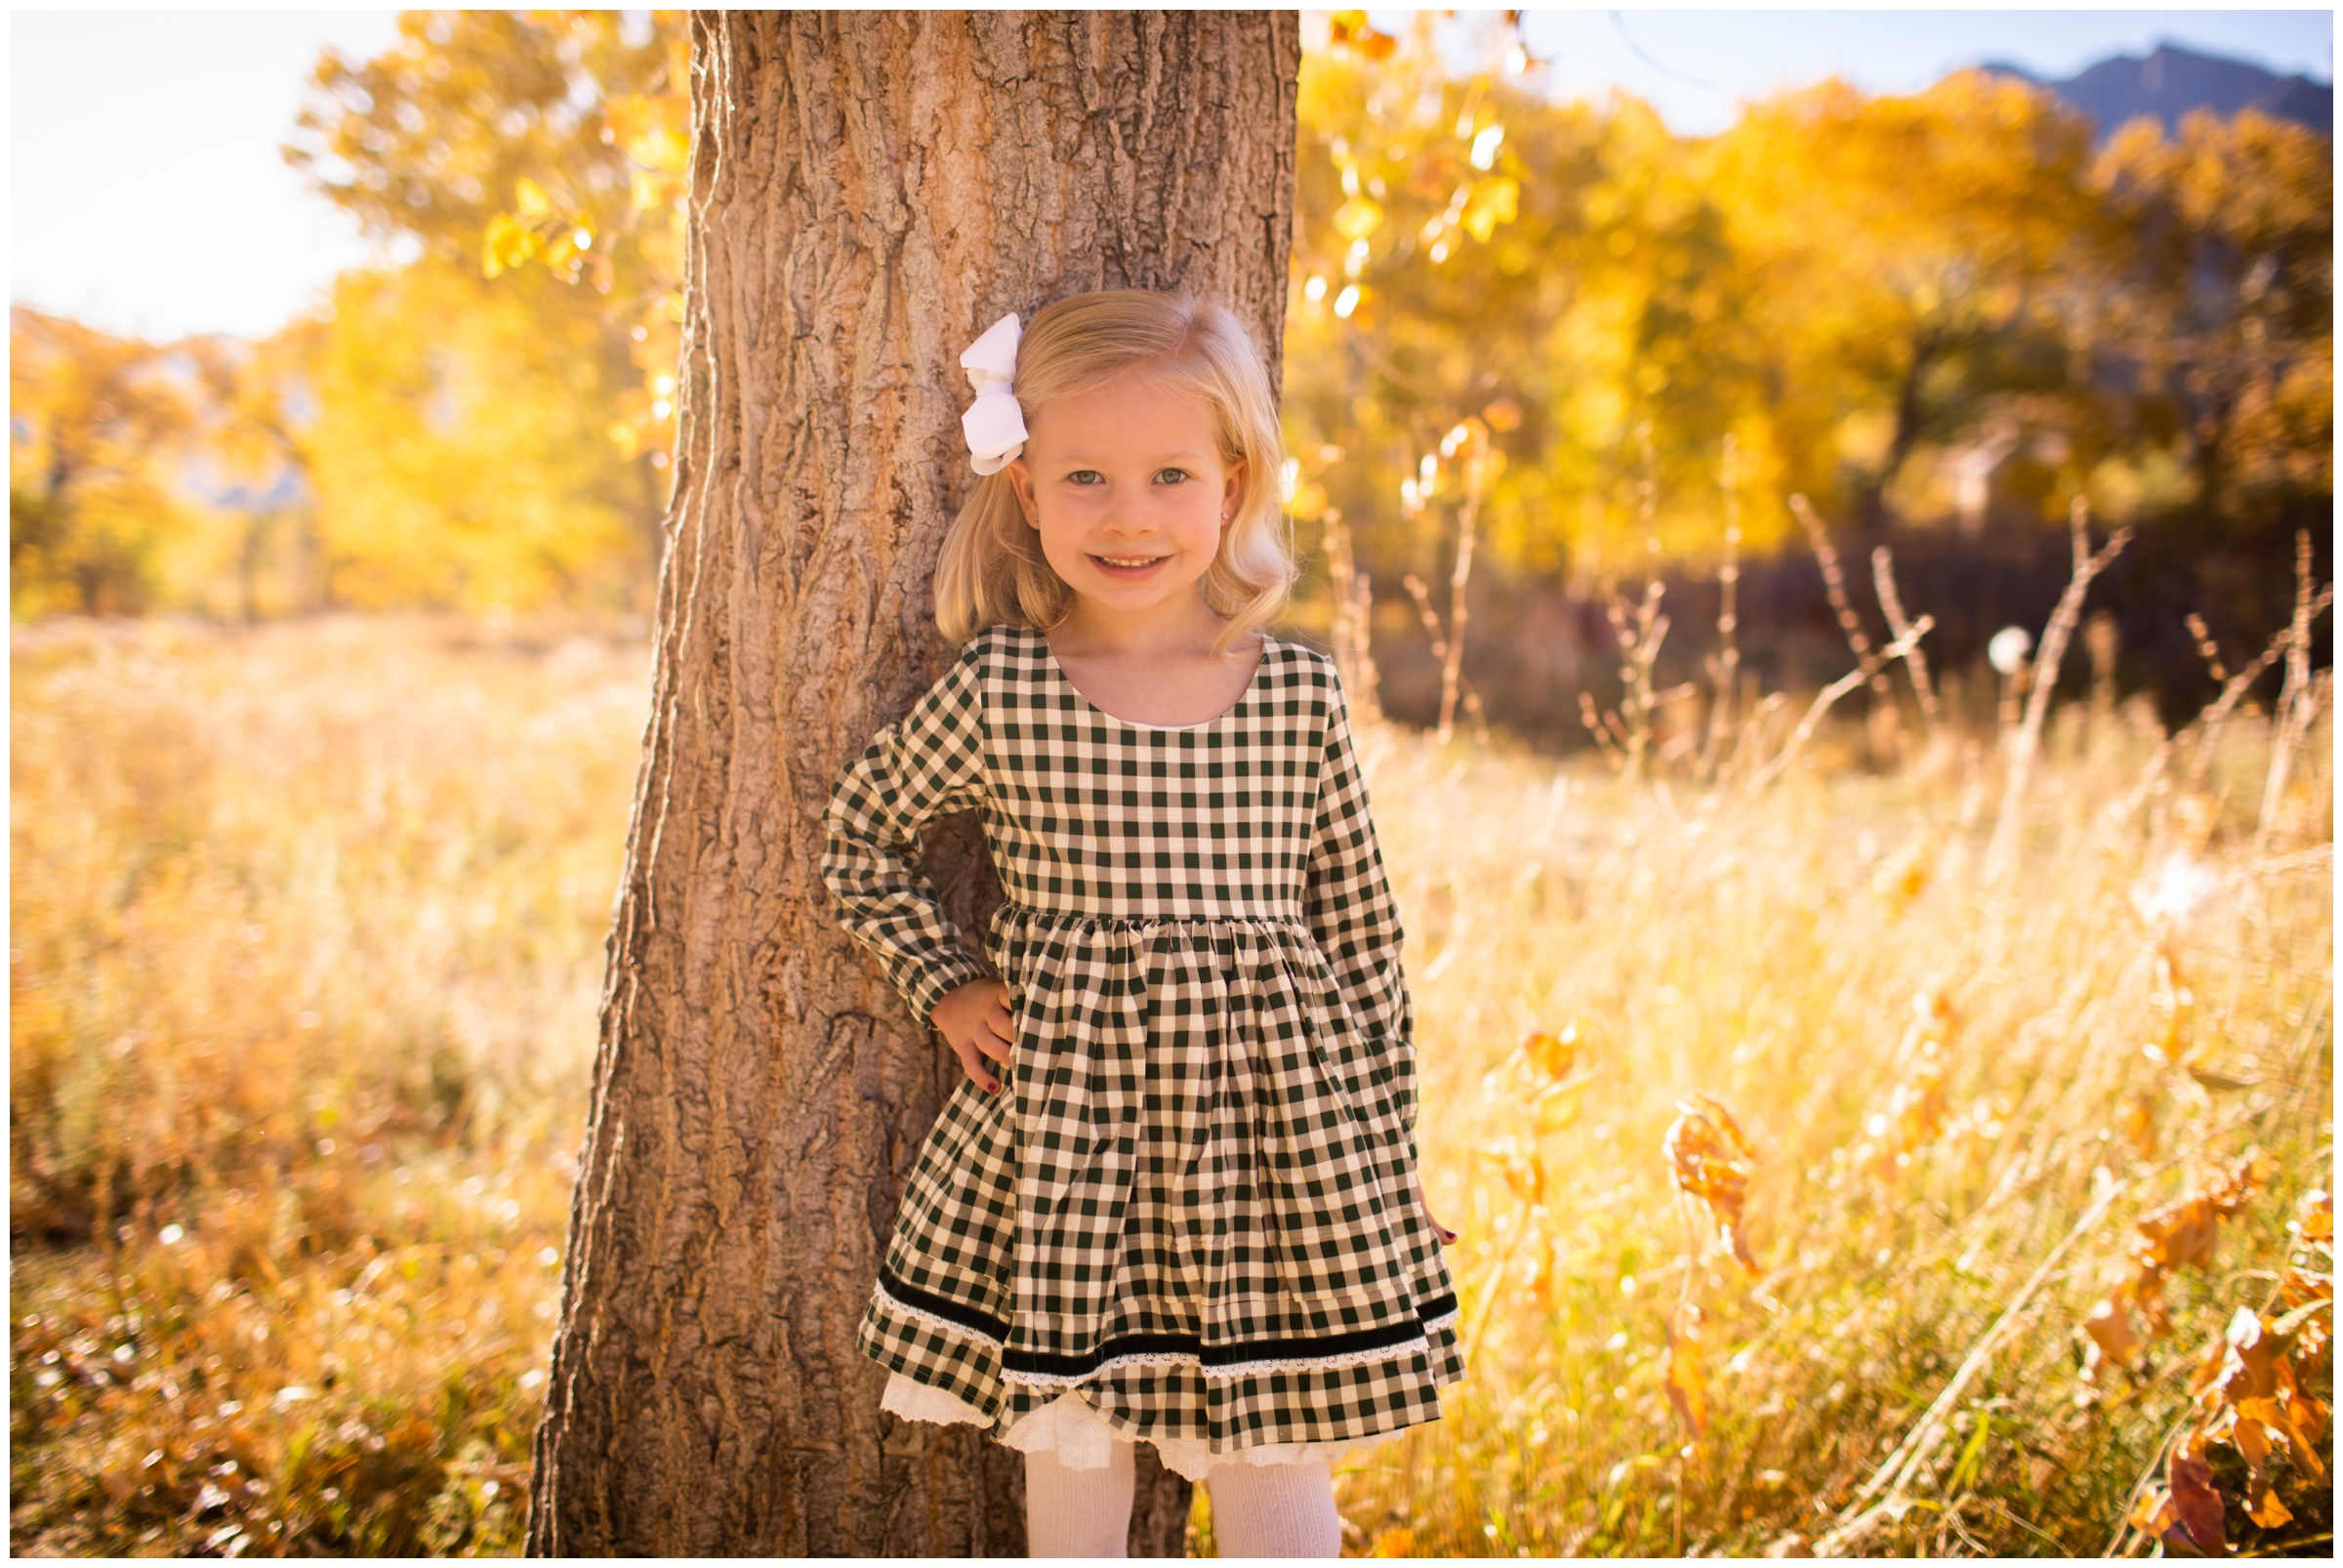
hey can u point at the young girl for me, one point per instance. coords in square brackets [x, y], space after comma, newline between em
[1176, 1199]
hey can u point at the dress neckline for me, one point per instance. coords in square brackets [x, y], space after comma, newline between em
[1260, 668]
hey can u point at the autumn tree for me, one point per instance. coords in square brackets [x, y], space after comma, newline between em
[1472, 250]
[252, 444]
[1911, 255]
[95, 421]
[868, 192]
[2221, 322]
[528, 166]
[457, 441]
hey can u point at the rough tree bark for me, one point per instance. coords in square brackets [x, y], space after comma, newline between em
[869, 192]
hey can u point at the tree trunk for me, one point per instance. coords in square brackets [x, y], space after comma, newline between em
[1870, 510]
[869, 191]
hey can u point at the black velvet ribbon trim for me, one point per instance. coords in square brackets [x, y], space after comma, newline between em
[1217, 1355]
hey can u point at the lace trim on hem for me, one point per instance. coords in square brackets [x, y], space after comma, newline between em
[1080, 1439]
[1445, 1320]
[914, 1401]
[1240, 1369]
[1069, 1379]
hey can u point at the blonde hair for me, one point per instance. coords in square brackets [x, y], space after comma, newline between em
[992, 570]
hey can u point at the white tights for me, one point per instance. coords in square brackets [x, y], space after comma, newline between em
[1259, 1510]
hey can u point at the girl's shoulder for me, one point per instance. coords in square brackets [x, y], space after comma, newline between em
[1298, 657]
[1299, 669]
[1015, 653]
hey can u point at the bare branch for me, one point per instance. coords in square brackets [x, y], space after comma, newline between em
[2301, 697]
[1726, 669]
[1834, 583]
[2000, 851]
[1830, 693]
[1916, 663]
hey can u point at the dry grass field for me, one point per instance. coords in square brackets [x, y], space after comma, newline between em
[305, 948]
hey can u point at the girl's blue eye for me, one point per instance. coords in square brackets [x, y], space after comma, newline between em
[1172, 476]
[1086, 477]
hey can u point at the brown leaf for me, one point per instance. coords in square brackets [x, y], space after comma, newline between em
[2262, 1506]
[2179, 1236]
[1686, 1383]
[2315, 1216]
[2173, 1004]
[2110, 1327]
[2300, 1287]
[2248, 1370]
[1554, 1054]
[2297, 1425]
[1737, 1242]
[1709, 1159]
[1701, 1104]
[2153, 1513]
[2233, 1187]
[2209, 1361]
[2193, 1499]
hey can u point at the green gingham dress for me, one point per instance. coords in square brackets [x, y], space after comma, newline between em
[1188, 1217]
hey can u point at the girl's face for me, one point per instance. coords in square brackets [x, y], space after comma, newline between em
[1127, 487]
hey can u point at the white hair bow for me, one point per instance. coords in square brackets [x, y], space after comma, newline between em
[995, 423]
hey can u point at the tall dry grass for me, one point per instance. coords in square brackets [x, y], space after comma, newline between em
[305, 944]
[1770, 955]
[305, 950]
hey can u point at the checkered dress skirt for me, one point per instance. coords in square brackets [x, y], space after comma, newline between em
[1192, 1200]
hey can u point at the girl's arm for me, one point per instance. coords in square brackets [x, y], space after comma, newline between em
[1348, 901]
[1349, 907]
[928, 763]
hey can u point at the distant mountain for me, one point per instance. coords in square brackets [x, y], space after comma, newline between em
[2172, 81]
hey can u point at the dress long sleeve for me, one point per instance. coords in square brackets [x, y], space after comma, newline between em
[928, 763]
[1348, 903]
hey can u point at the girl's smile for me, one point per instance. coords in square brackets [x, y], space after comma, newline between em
[1129, 492]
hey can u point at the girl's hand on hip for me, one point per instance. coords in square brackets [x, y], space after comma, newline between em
[974, 1021]
[1447, 1236]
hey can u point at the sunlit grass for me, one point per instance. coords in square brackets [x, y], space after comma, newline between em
[306, 932]
[306, 928]
[1770, 953]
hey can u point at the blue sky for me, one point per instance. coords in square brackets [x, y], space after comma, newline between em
[175, 214]
[1695, 67]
